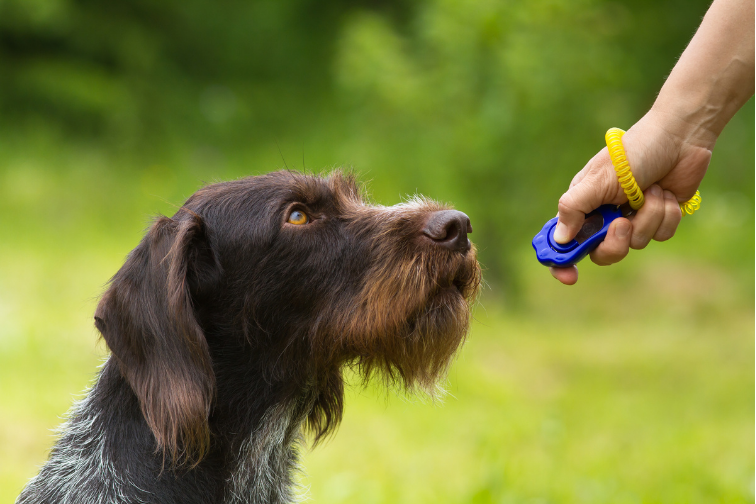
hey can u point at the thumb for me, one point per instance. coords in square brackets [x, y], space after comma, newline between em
[598, 186]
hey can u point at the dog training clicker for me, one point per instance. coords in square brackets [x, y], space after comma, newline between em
[596, 225]
[593, 232]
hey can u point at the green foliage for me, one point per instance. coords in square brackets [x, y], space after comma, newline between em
[634, 386]
[491, 105]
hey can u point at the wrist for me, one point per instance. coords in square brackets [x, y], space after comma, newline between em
[686, 121]
[662, 148]
[653, 146]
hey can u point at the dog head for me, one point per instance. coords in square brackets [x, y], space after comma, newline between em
[302, 276]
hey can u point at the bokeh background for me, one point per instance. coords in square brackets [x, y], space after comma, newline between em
[634, 386]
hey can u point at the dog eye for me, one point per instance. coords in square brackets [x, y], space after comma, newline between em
[297, 217]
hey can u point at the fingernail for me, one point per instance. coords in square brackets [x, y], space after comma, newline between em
[623, 229]
[560, 233]
[655, 190]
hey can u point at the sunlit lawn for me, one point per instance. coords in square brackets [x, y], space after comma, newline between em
[556, 417]
[635, 386]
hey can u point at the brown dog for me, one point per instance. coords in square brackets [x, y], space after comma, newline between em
[229, 326]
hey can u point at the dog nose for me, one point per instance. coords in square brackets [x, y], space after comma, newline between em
[449, 228]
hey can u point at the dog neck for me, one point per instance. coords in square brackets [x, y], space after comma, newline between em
[107, 454]
[268, 459]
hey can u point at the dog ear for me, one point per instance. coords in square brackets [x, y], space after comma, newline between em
[147, 319]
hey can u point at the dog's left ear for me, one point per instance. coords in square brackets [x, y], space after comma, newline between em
[148, 321]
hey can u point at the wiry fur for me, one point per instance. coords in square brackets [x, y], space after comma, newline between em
[268, 459]
[229, 328]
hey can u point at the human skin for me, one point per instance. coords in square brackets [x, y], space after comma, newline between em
[670, 147]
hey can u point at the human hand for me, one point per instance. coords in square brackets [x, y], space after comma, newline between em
[668, 166]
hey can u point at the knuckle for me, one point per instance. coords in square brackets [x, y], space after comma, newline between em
[609, 253]
[639, 242]
[566, 204]
[655, 203]
[595, 260]
[674, 214]
[664, 234]
[598, 258]
[669, 226]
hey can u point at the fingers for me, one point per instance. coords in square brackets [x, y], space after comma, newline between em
[648, 219]
[616, 245]
[591, 187]
[567, 276]
[657, 219]
[672, 218]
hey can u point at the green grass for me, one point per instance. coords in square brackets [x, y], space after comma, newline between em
[615, 407]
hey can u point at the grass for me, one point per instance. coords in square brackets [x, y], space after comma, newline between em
[620, 408]
[635, 386]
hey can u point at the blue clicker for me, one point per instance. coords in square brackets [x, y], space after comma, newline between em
[593, 232]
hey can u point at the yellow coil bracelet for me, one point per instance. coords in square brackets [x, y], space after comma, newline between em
[626, 179]
[691, 205]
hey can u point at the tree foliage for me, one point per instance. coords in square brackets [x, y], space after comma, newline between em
[492, 105]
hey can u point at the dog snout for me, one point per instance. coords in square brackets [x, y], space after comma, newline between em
[449, 228]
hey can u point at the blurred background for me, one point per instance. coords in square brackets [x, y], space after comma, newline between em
[634, 386]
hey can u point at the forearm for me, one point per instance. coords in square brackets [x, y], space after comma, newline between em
[714, 76]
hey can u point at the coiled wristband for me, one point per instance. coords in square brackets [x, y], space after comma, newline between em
[626, 179]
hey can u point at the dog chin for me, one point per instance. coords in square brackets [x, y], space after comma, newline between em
[438, 333]
[463, 282]
[447, 309]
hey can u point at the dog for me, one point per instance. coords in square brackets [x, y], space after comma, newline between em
[230, 325]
